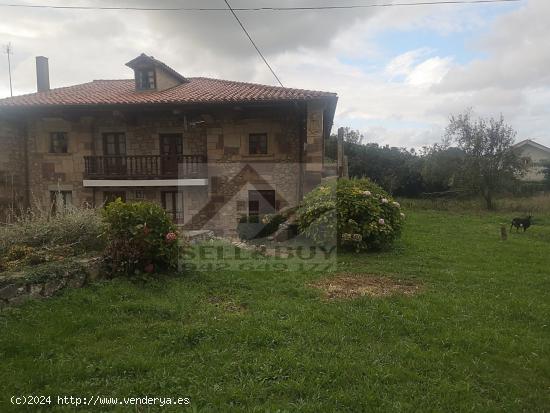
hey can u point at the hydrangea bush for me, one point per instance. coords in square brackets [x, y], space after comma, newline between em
[141, 238]
[353, 213]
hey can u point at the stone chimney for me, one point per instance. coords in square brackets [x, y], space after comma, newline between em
[42, 74]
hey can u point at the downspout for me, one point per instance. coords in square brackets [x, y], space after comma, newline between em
[303, 125]
[25, 133]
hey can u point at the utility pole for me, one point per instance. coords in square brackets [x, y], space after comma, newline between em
[9, 52]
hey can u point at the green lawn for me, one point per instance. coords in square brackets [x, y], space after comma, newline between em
[476, 339]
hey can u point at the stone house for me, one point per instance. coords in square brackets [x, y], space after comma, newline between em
[534, 153]
[207, 150]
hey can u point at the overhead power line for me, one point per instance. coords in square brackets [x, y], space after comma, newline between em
[253, 43]
[352, 6]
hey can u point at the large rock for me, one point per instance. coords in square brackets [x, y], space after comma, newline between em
[52, 286]
[9, 291]
[35, 290]
[20, 299]
[77, 280]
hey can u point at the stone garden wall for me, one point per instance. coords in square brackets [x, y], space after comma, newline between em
[47, 280]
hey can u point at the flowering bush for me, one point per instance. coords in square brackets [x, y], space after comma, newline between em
[353, 213]
[141, 238]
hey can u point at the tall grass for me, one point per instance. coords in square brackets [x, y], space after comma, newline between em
[539, 204]
[79, 227]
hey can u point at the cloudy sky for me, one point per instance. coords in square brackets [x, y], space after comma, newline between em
[399, 71]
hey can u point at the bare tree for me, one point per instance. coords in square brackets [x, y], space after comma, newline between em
[490, 161]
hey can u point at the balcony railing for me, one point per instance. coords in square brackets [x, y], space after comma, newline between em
[145, 167]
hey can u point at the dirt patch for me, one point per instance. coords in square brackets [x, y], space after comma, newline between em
[227, 305]
[350, 285]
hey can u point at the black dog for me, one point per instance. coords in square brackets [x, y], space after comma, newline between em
[521, 223]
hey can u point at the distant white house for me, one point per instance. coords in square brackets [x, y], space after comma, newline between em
[537, 153]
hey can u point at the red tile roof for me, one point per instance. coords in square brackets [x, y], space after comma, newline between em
[197, 90]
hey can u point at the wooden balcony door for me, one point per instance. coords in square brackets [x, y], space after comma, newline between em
[114, 151]
[171, 149]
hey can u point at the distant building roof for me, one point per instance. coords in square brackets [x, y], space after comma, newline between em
[532, 143]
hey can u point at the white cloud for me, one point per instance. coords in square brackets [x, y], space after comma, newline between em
[403, 63]
[429, 72]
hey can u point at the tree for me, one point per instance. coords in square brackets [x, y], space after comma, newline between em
[441, 169]
[397, 170]
[490, 161]
[352, 136]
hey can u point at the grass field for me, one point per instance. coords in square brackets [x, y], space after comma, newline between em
[477, 338]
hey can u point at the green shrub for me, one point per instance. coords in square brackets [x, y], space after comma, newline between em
[78, 227]
[351, 213]
[271, 224]
[141, 238]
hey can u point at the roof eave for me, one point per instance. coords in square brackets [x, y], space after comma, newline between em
[112, 106]
[532, 143]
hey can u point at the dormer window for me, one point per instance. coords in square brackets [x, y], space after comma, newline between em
[145, 79]
[152, 74]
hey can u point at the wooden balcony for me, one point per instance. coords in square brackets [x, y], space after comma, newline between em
[145, 167]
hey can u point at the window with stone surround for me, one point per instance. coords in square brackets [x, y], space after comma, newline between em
[261, 202]
[59, 142]
[257, 144]
[60, 200]
[114, 144]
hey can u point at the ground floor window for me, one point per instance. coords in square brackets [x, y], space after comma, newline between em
[111, 196]
[60, 200]
[172, 202]
[261, 202]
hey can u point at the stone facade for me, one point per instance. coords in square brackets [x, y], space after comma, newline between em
[291, 166]
[12, 166]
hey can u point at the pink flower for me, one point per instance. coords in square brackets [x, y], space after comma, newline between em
[171, 236]
[381, 221]
[367, 193]
[397, 204]
[385, 201]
